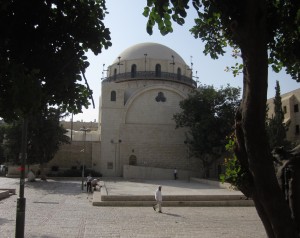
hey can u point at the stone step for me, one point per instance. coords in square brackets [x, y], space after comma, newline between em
[172, 200]
[215, 203]
[172, 197]
[4, 194]
[10, 190]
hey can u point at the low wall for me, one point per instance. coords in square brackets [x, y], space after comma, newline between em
[14, 171]
[214, 183]
[4, 194]
[141, 172]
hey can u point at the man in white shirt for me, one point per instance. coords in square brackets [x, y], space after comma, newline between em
[158, 199]
[89, 183]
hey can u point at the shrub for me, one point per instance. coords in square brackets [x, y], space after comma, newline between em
[54, 168]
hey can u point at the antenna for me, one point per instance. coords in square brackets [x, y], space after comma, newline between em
[103, 70]
[196, 77]
[119, 64]
[173, 63]
[145, 60]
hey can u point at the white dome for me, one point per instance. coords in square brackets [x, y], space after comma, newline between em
[153, 51]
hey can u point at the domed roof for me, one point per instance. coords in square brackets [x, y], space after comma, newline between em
[153, 51]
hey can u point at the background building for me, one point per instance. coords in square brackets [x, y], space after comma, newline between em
[139, 97]
[290, 106]
[136, 135]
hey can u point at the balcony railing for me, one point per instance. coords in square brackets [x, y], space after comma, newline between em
[153, 76]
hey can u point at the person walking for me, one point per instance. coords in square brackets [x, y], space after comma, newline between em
[158, 199]
[175, 174]
[89, 183]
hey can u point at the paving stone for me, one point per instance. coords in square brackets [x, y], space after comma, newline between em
[58, 208]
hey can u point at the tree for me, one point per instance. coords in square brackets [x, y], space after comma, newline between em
[43, 61]
[2, 159]
[265, 32]
[209, 115]
[11, 134]
[42, 53]
[276, 128]
[45, 135]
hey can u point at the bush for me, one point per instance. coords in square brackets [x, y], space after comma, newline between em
[76, 173]
[54, 168]
[70, 173]
[92, 172]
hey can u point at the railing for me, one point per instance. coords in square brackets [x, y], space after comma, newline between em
[153, 76]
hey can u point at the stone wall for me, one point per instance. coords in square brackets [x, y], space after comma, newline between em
[74, 155]
[141, 172]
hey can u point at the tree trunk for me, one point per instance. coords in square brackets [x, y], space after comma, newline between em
[267, 196]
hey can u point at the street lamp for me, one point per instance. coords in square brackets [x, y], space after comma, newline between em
[188, 157]
[85, 130]
[145, 62]
[21, 201]
[119, 58]
[116, 144]
[173, 63]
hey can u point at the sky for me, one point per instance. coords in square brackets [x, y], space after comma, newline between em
[128, 27]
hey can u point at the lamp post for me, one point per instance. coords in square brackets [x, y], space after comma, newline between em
[21, 201]
[173, 63]
[116, 144]
[85, 130]
[188, 158]
[196, 77]
[145, 62]
[119, 58]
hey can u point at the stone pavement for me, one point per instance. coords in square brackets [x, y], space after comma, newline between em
[58, 208]
[197, 192]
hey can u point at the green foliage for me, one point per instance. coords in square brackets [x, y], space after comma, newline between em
[75, 173]
[12, 142]
[43, 47]
[232, 166]
[160, 12]
[45, 135]
[265, 31]
[235, 174]
[236, 69]
[276, 129]
[221, 23]
[209, 115]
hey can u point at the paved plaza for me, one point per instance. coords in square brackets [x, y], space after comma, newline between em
[59, 208]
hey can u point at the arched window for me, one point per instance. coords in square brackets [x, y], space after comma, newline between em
[133, 71]
[179, 73]
[115, 74]
[158, 71]
[113, 96]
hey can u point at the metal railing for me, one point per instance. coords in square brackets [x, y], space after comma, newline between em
[151, 75]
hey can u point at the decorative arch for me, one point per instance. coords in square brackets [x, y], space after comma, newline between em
[159, 88]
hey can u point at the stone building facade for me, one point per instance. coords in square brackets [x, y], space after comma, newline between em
[136, 134]
[291, 108]
[139, 97]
